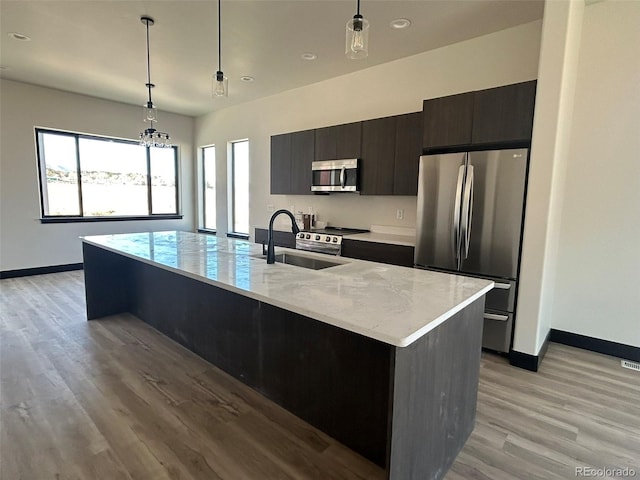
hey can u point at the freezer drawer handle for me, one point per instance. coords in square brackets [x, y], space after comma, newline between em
[495, 316]
[502, 286]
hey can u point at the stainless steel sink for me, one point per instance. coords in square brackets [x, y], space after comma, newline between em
[304, 261]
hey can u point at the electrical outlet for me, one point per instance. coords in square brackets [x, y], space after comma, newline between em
[400, 214]
[270, 208]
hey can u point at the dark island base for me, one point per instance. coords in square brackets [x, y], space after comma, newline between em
[410, 410]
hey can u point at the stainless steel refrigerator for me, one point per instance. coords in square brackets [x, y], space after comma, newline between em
[470, 214]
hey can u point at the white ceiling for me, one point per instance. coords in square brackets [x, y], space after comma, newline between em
[97, 47]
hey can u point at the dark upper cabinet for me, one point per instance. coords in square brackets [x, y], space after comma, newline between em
[325, 143]
[391, 149]
[408, 151]
[448, 120]
[291, 157]
[378, 156]
[504, 114]
[281, 164]
[338, 141]
[302, 150]
[349, 140]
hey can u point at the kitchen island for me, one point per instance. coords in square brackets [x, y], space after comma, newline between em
[385, 359]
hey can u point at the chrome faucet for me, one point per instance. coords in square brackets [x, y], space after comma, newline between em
[271, 254]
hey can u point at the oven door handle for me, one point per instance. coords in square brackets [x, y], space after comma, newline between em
[343, 177]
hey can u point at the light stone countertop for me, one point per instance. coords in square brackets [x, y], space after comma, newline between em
[395, 305]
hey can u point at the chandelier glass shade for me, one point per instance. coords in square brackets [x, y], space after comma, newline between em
[357, 39]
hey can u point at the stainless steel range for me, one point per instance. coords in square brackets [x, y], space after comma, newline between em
[327, 240]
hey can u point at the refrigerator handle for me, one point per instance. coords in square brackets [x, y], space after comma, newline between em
[456, 215]
[467, 210]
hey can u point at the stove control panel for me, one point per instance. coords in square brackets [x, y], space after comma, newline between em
[320, 238]
[319, 242]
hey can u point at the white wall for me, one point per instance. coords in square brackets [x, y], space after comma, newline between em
[24, 241]
[559, 50]
[504, 57]
[597, 292]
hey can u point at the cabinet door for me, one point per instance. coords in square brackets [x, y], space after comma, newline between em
[447, 121]
[504, 114]
[378, 156]
[325, 143]
[401, 255]
[281, 164]
[348, 140]
[302, 151]
[408, 151]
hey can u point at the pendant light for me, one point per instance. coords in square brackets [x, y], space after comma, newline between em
[357, 44]
[220, 82]
[151, 137]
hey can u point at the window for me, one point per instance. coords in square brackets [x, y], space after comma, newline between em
[209, 187]
[239, 211]
[88, 177]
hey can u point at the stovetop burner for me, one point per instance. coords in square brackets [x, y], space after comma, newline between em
[337, 230]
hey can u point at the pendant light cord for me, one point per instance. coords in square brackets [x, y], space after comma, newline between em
[219, 40]
[358, 13]
[148, 62]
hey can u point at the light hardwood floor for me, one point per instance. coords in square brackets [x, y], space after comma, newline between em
[114, 399]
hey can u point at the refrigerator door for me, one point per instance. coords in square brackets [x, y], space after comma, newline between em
[494, 226]
[440, 190]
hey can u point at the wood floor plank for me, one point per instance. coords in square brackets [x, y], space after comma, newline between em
[115, 399]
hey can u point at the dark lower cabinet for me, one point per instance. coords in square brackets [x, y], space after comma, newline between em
[280, 238]
[401, 255]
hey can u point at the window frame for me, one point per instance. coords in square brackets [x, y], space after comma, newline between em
[203, 228]
[232, 189]
[41, 161]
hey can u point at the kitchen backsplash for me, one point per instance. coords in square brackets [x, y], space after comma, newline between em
[344, 210]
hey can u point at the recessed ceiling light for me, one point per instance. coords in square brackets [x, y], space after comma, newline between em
[247, 78]
[308, 56]
[400, 23]
[19, 36]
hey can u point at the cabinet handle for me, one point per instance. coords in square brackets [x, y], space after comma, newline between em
[502, 286]
[495, 316]
[343, 177]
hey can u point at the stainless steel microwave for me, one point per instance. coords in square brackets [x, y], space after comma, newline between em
[335, 175]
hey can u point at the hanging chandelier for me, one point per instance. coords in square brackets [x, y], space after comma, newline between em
[151, 137]
[357, 41]
[220, 82]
